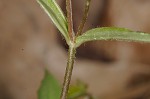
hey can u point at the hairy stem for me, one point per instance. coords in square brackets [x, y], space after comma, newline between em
[84, 18]
[69, 19]
[71, 51]
[68, 74]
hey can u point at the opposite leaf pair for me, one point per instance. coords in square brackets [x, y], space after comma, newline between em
[107, 33]
[47, 90]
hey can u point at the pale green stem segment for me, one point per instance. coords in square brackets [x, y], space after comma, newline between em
[68, 74]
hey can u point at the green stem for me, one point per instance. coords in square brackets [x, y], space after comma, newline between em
[68, 74]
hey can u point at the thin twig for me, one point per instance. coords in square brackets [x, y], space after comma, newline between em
[84, 18]
[69, 19]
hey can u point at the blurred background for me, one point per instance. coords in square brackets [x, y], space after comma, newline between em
[112, 70]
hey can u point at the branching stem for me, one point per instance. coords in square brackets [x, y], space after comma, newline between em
[72, 49]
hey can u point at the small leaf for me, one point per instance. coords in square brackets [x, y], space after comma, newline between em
[112, 33]
[75, 91]
[55, 13]
[50, 88]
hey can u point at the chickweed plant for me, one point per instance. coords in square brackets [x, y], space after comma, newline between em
[50, 88]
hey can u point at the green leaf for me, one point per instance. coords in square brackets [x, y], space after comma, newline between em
[55, 13]
[50, 88]
[112, 33]
[75, 91]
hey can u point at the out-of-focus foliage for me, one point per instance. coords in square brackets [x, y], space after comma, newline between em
[50, 88]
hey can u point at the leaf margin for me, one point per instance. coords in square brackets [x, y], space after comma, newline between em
[112, 33]
[55, 13]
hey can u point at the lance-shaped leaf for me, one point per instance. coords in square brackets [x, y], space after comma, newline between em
[112, 33]
[50, 88]
[55, 13]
